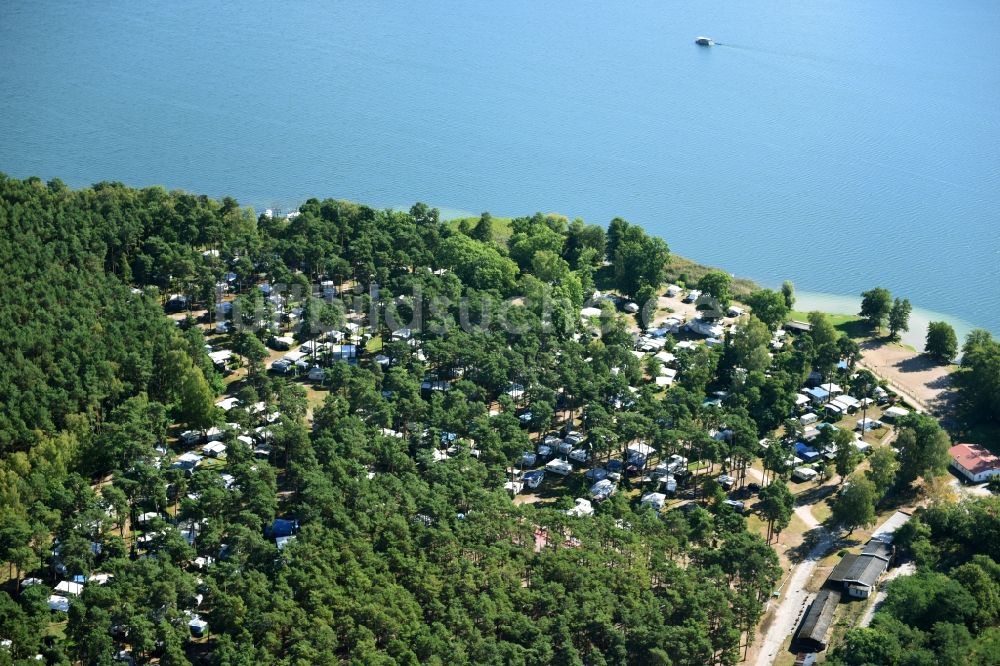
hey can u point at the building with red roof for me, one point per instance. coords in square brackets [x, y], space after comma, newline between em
[974, 462]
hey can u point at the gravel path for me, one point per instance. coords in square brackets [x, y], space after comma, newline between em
[789, 611]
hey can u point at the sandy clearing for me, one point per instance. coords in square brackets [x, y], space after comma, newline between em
[915, 376]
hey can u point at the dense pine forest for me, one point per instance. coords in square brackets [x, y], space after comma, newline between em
[203, 499]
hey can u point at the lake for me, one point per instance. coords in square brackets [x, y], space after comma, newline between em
[841, 145]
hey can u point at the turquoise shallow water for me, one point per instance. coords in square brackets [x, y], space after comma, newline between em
[841, 145]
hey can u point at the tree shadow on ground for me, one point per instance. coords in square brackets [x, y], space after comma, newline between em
[810, 539]
[856, 328]
[941, 383]
[814, 494]
[919, 363]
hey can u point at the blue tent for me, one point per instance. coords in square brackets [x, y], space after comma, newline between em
[807, 454]
[282, 528]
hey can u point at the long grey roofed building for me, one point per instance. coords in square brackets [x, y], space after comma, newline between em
[816, 624]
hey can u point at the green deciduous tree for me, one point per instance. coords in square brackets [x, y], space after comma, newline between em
[923, 448]
[941, 342]
[875, 306]
[882, 468]
[847, 455]
[899, 317]
[788, 293]
[979, 378]
[769, 306]
[854, 505]
[718, 284]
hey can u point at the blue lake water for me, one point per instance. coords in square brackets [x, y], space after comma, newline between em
[840, 144]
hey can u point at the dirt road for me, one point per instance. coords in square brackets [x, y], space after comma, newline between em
[790, 608]
[787, 612]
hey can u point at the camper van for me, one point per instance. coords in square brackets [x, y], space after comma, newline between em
[804, 474]
[559, 467]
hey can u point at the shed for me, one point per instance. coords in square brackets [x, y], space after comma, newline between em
[816, 623]
[859, 573]
[887, 530]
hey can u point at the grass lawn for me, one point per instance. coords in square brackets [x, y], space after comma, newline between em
[821, 510]
[208, 463]
[57, 630]
[687, 271]
[502, 230]
[851, 325]
[315, 395]
[847, 616]
[374, 344]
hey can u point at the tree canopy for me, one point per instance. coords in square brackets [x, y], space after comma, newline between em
[941, 342]
[385, 473]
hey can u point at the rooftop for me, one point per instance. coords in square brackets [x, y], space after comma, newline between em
[863, 569]
[974, 458]
[818, 619]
